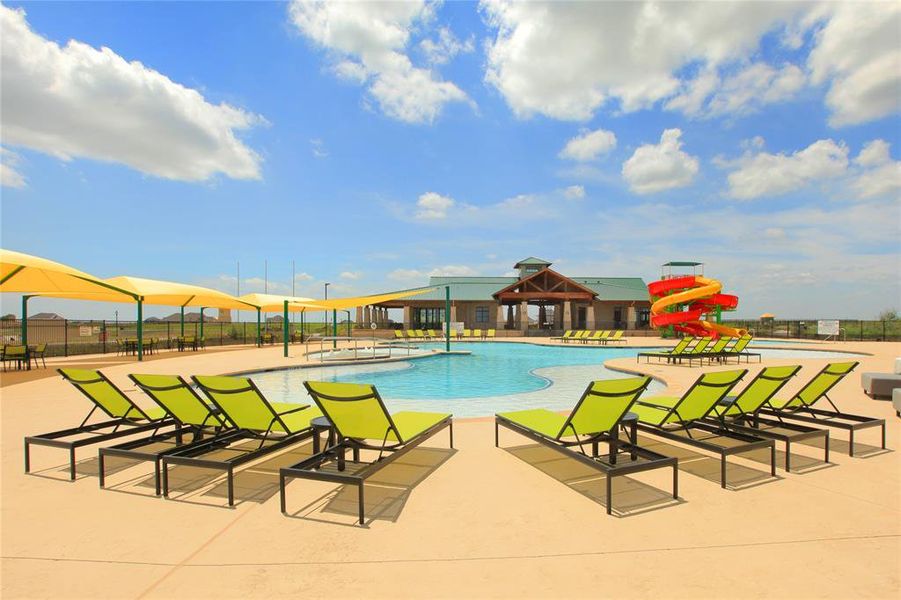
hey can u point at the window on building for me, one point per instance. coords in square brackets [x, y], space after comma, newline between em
[481, 314]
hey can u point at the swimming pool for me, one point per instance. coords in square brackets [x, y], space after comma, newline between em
[495, 377]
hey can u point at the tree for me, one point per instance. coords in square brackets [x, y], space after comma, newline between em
[889, 314]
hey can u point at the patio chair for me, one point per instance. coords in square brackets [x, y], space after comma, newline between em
[616, 337]
[800, 407]
[15, 354]
[420, 334]
[680, 347]
[358, 415]
[740, 412]
[275, 425]
[37, 354]
[596, 418]
[738, 350]
[125, 417]
[491, 333]
[398, 334]
[467, 333]
[711, 352]
[667, 416]
[477, 333]
[598, 336]
[566, 335]
[195, 419]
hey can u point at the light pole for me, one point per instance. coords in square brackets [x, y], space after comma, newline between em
[326, 310]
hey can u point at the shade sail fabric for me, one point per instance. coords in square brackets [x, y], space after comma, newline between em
[29, 274]
[153, 291]
[342, 303]
[276, 303]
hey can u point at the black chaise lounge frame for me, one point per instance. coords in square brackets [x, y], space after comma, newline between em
[807, 414]
[751, 442]
[310, 468]
[652, 460]
[194, 455]
[96, 433]
[139, 449]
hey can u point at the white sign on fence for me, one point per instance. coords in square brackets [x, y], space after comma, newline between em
[829, 327]
[84, 331]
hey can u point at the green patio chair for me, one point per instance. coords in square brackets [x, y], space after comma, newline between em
[740, 412]
[738, 350]
[275, 425]
[800, 407]
[125, 417]
[668, 416]
[680, 347]
[361, 422]
[15, 354]
[596, 418]
[616, 337]
[196, 421]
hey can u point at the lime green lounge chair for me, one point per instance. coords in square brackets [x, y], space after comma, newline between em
[361, 422]
[615, 338]
[398, 334]
[125, 417]
[800, 407]
[680, 347]
[275, 425]
[713, 351]
[467, 333]
[195, 421]
[668, 416]
[738, 350]
[491, 333]
[598, 336]
[596, 418]
[740, 412]
[566, 335]
[477, 333]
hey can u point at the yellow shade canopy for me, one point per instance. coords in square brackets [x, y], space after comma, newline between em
[343, 303]
[28, 274]
[274, 302]
[153, 291]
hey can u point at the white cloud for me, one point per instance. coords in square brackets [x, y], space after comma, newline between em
[765, 174]
[318, 148]
[654, 168]
[303, 277]
[742, 92]
[589, 145]
[351, 275]
[406, 275]
[574, 192]
[432, 206]
[442, 50]
[878, 175]
[9, 176]
[369, 40]
[77, 101]
[567, 59]
[857, 53]
[453, 271]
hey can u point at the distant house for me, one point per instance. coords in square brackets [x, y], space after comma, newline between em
[190, 317]
[9, 317]
[153, 320]
[47, 317]
[275, 319]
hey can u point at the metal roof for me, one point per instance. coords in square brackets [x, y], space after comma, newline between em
[623, 289]
[682, 263]
[531, 261]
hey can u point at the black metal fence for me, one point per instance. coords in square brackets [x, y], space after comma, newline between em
[66, 337]
[849, 329]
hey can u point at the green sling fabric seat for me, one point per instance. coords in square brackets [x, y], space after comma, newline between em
[176, 396]
[357, 412]
[816, 388]
[245, 406]
[757, 393]
[595, 418]
[107, 397]
[694, 405]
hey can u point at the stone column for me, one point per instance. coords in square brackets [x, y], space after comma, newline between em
[631, 317]
[558, 316]
[367, 316]
[524, 316]
[589, 316]
[359, 315]
[567, 315]
[453, 315]
[500, 316]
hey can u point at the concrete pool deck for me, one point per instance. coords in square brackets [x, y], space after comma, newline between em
[477, 521]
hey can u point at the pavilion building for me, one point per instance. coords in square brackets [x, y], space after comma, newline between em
[539, 298]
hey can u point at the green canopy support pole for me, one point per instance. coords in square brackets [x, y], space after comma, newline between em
[285, 326]
[447, 323]
[201, 324]
[302, 313]
[349, 332]
[140, 329]
[259, 333]
[25, 320]
[334, 327]
[182, 322]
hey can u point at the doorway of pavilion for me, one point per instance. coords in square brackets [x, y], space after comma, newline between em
[548, 299]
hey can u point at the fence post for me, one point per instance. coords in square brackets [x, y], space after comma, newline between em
[861, 330]
[883, 331]
[103, 331]
[66, 337]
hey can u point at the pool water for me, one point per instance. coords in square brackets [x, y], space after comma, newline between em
[496, 376]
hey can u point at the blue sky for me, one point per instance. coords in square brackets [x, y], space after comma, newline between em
[377, 144]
